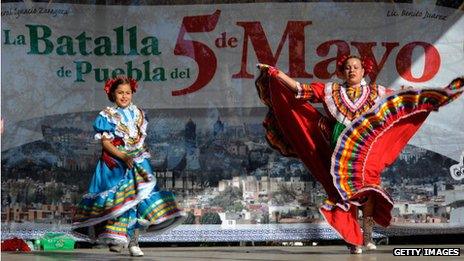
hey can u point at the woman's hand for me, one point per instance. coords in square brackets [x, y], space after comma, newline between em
[271, 70]
[262, 66]
[282, 77]
[128, 160]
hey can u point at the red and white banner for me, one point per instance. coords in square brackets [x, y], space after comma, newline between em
[56, 57]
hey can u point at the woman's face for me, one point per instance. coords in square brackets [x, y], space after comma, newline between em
[123, 95]
[353, 71]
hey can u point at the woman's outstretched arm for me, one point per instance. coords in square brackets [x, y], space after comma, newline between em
[282, 77]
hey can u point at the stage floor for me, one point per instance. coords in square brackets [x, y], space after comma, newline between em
[325, 253]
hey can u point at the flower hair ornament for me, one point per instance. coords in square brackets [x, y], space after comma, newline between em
[109, 83]
[368, 65]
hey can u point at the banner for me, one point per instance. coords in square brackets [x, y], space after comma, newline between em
[196, 70]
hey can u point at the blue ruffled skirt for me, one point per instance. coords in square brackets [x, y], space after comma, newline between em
[120, 200]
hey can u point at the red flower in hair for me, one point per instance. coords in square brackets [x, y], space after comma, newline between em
[111, 81]
[367, 64]
[108, 84]
[133, 84]
[341, 62]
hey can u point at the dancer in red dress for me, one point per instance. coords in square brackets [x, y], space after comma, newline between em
[366, 127]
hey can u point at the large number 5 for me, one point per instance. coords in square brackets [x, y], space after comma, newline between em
[202, 54]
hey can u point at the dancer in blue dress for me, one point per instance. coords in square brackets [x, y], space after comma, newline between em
[123, 196]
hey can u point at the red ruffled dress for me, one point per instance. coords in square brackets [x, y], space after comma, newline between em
[376, 127]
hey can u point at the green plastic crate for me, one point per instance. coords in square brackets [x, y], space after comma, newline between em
[56, 241]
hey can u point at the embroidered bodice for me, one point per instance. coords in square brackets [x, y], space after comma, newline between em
[128, 124]
[345, 107]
